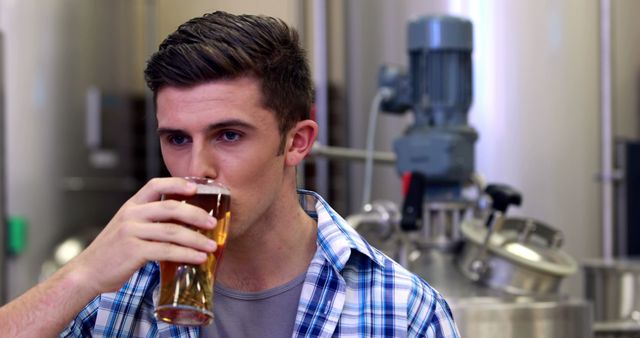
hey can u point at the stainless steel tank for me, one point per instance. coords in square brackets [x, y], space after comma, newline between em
[483, 307]
[503, 317]
[481, 311]
[614, 288]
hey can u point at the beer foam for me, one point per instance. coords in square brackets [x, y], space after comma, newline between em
[212, 189]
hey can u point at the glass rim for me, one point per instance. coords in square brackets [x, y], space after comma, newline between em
[207, 181]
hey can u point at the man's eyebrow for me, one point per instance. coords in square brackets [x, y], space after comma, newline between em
[213, 126]
[164, 131]
[230, 124]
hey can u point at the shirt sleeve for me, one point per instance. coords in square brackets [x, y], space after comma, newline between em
[82, 325]
[429, 314]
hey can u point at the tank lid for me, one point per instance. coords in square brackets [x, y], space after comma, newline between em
[525, 242]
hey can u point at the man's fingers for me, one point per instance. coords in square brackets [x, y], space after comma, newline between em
[171, 211]
[163, 251]
[155, 188]
[174, 234]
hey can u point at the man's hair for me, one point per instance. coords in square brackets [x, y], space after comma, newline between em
[220, 45]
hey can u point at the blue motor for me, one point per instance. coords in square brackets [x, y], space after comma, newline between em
[436, 153]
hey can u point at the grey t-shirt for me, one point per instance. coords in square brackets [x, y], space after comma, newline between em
[265, 314]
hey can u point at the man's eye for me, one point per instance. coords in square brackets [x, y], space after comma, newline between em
[178, 139]
[230, 136]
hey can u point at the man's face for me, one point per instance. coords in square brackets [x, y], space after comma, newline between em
[221, 130]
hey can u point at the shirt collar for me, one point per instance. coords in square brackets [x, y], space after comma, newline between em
[336, 238]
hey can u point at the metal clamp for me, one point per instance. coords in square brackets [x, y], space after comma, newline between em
[529, 228]
[479, 266]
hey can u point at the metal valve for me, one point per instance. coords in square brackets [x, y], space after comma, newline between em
[502, 196]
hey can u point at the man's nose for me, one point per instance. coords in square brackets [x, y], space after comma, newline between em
[202, 164]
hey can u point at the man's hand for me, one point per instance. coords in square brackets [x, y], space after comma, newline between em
[145, 229]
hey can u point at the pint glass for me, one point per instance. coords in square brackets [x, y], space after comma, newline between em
[186, 290]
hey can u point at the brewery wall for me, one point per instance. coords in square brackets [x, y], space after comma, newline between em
[56, 52]
[536, 103]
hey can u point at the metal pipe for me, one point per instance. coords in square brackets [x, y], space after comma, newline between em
[152, 160]
[301, 26]
[341, 153]
[621, 219]
[320, 76]
[3, 216]
[606, 129]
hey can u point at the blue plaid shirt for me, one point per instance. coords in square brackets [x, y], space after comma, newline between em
[350, 290]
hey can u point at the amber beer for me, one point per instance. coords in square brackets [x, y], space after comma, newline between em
[186, 290]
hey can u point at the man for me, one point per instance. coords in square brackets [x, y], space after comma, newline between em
[233, 96]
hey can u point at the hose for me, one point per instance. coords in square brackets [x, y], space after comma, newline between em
[382, 94]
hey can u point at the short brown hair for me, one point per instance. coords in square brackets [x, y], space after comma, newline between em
[220, 45]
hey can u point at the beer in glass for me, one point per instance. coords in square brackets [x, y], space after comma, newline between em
[186, 290]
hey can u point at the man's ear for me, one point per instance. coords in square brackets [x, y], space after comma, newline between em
[300, 140]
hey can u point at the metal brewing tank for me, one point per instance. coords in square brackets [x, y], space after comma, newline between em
[480, 309]
[614, 288]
